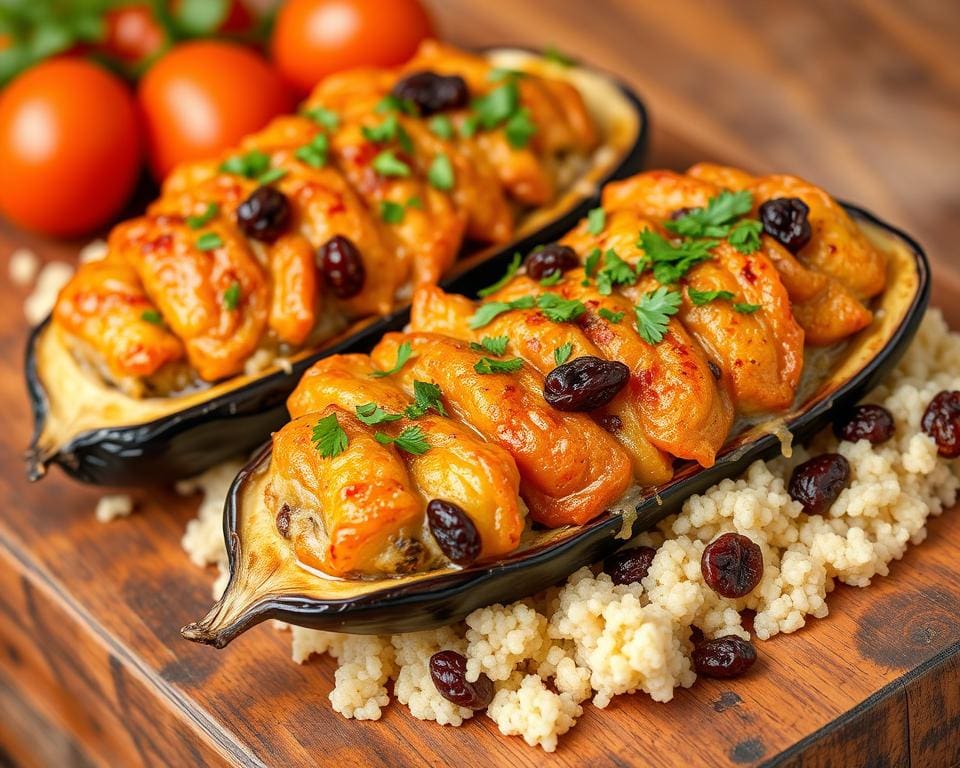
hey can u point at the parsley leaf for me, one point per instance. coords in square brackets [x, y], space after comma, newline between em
[322, 116]
[251, 164]
[596, 220]
[495, 345]
[231, 296]
[152, 316]
[716, 218]
[554, 54]
[486, 365]
[699, 298]
[371, 413]
[412, 440]
[653, 313]
[389, 130]
[329, 437]
[469, 125]
[388, 164]
[314, 154]
[426, 395]
[520, 129]
[391, 212]
[208, 241]
[404, 353]
[593, 259]
[746, 309]
[272, 175]
[562, 353]
[671, 262]
[610, 315]
[512, 268]
[440, 174]
[391, 103]
[486, 313]
[552, 279]
[201, 220]
[441, 126]
[560, 310]
[745, 236]
[497, 106]
[615, 271]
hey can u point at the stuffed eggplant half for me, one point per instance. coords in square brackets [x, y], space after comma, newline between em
[176, 350]
[688, 326]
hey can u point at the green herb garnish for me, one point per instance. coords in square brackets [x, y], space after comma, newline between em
[699, 298]
[715, 219]
[497, 106]
[552, 279]
[392, 212]
[412, 440]
[314, 154]
[512, 268]
[389, 130]
[671, 262]
[152, 316]
[519, 129]
[495, 345]
[596, 220]
[559, 309]
[426, 395]
[745, 309]
[371, 414]
[610, 315]
[388, 164]
[562, 353]
[271, 175]
[391, 103]
[322, 116]
[404, 353]
[328, 437]
[615, 271]
[231, 296]
[487, 365]
[745, 236]
[486, 313]
[201, 220]
[440, 174]
[251, 164]
[590, 267]
[554, 54]
[208, 241]
[654, 312]
[441, 126]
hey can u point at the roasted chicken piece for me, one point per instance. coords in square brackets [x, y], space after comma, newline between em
[571, 470]
[534, 338]
[356, 512]
[105, 306]
[478, 476]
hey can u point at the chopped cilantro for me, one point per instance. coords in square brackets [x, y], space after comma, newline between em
[231, 296]
[653, 313]
[745, 235]
[519, 129]
[412, 440]
[388, 164]
[151, 316]
[325, 117]
[497, 106]
[314, 154]
[615, 271]
[441, 127]
[610, 315]
[512, 268]
[426, 395]
[552, 279]
[208, 241]
[404, 353]
[251, 164]
[328, 437]
[391, 212]
[486, 313]
[554, 54]
[716, 218]
[487, 365]
[495, 345]
[596, 220]
[562, 353]
[440, 174]
[590, 268]
[371, 413]
[699, 298]
[671, 262]
[389, 130]
[745, 309]
[271, 175]
[559, 309]
[391, 103]
[201, 220]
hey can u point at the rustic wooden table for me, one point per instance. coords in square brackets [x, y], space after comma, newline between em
[863, 98]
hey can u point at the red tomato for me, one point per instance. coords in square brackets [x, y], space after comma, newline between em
[133, 34]
[70, 147]
[312, 38]
[203, 97]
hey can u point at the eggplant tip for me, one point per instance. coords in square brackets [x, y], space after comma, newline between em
[36, 465]
[202, 632]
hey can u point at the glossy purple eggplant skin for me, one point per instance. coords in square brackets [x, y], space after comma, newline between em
[445, 599]
[196, 438]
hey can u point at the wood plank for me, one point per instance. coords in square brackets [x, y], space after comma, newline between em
[862, 97]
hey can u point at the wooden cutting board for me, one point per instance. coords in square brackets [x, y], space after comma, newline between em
[92, 670]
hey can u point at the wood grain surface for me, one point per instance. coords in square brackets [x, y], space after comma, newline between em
[861, 97]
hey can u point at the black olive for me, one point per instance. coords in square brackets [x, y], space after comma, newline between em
[584, 383]
[785, 220]
[264, 215]
[342, 267]
[432, 93]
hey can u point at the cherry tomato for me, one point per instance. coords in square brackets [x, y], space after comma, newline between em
[203, 97]
[133, 34]
[312, 38]
[70, 147]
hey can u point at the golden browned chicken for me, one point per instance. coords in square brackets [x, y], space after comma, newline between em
[331, 215]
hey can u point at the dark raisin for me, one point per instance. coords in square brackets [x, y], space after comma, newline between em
[817, 483]
[611, 422]
[552, 258]
[941, 421]
[448, 670]
[727, 656]
[865, 422]
[431, 92]
[715, 370]
[785, 220]
[265, 215]
[342, 267]
[454, 532]
[584, 383]
[283, 520]
[732, 565]
[629, 565]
